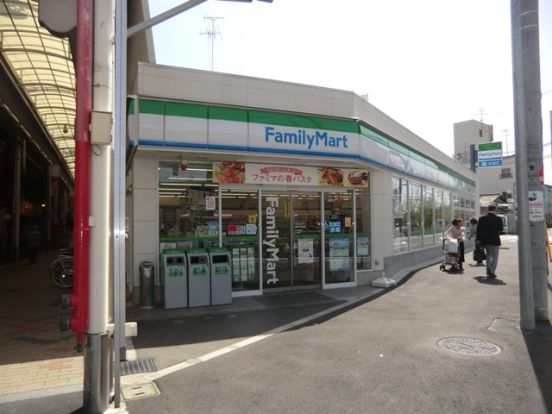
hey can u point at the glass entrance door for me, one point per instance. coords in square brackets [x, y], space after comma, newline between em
[291, 241]
[306, 240]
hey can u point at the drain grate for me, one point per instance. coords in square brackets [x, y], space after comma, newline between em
[138, 366]
[469, 346]
[133, 392]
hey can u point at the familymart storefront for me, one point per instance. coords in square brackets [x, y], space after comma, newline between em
[281, 237]
[302, 198]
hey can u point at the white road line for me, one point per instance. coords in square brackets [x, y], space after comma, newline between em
[152, 376]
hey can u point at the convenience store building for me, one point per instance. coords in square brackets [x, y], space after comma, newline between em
[308, 187]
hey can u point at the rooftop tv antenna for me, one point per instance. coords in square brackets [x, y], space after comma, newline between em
[213, 32]
[481, 114]
[506, 139]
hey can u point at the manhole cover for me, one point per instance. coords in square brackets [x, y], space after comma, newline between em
[134, 392]
[469, 346]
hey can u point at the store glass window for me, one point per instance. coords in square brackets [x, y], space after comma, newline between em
[240, 235]
[364, 234]
[338, 225]
[429, 236]
[447, 204]
[455, 206]
[439, 218]
[188, 207]
[415, 207]
[400, 214]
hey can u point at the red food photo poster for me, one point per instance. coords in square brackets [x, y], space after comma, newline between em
[229, 172]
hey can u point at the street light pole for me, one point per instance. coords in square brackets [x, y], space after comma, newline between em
[528, 136]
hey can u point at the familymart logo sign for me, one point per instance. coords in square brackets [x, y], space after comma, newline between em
[305, 138]
[489, 154]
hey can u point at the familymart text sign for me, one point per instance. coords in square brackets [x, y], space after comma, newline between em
[489, 154]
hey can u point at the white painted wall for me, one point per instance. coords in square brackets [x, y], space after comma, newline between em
[382, 217]
[145, 232]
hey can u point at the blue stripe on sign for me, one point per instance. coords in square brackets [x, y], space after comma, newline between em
[490, 163]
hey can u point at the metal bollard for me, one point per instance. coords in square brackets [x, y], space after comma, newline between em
[146, 285]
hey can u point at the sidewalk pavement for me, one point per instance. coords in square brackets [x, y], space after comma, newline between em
[37, 359]
[177, 339]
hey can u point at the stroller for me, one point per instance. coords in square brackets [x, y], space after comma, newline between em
[451, 255]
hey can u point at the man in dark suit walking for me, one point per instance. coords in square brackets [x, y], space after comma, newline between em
[489, 228]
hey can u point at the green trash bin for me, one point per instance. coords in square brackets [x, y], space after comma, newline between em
[199, 284]
[220, 262]
[175, 279]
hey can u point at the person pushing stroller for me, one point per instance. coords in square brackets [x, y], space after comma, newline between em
[456, 232]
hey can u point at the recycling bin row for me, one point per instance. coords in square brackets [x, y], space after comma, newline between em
[196, 277]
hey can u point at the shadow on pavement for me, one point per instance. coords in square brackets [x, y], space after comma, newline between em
[539, 345]
[29, 305]
[220, 326]
[496, 282]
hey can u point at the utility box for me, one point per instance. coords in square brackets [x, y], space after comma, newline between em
[175, 279]
[199, 284]
[220, 262]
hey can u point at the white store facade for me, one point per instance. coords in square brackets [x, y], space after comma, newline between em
[307, 187]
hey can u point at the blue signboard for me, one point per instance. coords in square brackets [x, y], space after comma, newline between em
[490, 163]
[334, 226]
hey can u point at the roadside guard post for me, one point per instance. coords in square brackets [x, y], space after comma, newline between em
[175, 279]
[199, 284]
[146, 285]
[221, 276]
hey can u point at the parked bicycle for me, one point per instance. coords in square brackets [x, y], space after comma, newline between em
[61, 270]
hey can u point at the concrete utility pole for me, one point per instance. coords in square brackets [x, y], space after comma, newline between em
[528, 135]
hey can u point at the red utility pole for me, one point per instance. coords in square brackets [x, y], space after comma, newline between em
[81, 229]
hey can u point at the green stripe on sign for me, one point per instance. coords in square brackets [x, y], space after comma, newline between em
[147, 106]
[490, 146]
[300, 121]
[373, 135]
[399, 148]
[185, 109]
[228, 114]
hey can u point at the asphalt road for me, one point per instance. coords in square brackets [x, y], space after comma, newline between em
[381, 356]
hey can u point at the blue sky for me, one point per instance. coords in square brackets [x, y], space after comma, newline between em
[426, 63]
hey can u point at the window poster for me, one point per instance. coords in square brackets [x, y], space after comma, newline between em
[363, 246]
[166, 246]
[339, 264]
[210, 203]
[251, 271]
[334, 226]
[305, 251]
[236, 264]
[243, 264]
[188, 244]
[212, 228]
[339, 254]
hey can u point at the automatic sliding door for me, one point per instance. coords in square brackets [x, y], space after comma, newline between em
[339, 250]
[291, 241]
[277, 249]
[306, 240]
